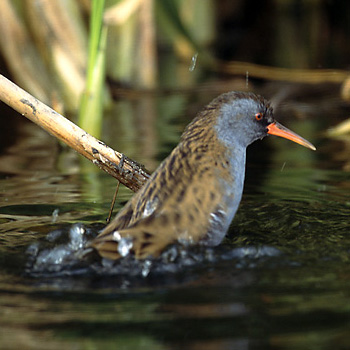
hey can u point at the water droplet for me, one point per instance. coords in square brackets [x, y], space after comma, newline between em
[124, 246]
[193, 62]
[76, 235]
[33, 249]
[52, 257]
[170, 255]
[146, 268]
[55, 215]
[116, 236]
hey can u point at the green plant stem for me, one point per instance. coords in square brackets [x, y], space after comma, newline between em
[91, 109]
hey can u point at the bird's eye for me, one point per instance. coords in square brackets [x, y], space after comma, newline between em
[258, 116]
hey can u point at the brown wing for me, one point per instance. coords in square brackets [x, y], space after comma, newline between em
[175, 204]
[187, 219]
[148, 237]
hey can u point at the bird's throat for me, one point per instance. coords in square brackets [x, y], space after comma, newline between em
[234, 187]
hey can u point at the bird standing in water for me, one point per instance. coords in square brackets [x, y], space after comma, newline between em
[194, 194]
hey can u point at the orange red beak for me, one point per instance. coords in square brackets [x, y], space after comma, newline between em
[277, 129]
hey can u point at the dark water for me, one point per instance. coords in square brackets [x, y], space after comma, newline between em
[279, 281]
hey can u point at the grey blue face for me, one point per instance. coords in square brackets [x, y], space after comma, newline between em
[250, 117]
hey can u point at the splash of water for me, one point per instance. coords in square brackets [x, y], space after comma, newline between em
[65, 253]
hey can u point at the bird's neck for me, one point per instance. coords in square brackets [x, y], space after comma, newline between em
[227, 163]
[226, 154]
[234, 186]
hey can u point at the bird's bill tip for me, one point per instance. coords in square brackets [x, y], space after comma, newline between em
[278, 129]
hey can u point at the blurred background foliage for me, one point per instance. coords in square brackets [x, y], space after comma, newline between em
[153, 45]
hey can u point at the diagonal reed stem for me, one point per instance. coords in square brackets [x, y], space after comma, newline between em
[128, 172]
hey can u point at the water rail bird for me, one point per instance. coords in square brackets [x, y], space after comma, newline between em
[195, 192]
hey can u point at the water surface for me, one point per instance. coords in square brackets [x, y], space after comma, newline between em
[279, 281]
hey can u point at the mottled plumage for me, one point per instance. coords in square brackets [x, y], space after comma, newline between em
[195, 192]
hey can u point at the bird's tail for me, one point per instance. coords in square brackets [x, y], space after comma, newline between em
[137, 240]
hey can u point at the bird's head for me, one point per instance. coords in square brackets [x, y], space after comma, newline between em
[245, 117]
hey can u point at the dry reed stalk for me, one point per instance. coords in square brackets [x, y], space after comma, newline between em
[127, 171]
